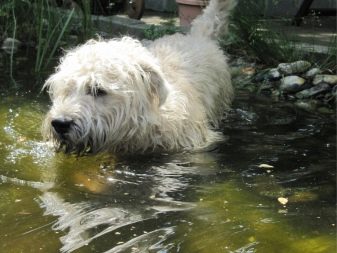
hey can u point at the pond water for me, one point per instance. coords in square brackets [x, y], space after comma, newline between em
[217, 201]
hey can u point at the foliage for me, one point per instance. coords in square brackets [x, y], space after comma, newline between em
[49, 33]
[253, 33]
[154, 31]
[38, 23]
[330, 62]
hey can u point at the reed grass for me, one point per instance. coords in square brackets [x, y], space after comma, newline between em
[46, 26]
[12, 49]
[49, 39]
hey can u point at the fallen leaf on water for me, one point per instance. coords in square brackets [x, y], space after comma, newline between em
[265, 166]
[282, 200]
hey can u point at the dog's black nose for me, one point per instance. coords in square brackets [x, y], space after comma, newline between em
[61, 125]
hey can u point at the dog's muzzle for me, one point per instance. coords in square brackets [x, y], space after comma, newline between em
[62, 125]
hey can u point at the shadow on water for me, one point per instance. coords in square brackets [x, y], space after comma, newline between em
[219, 201]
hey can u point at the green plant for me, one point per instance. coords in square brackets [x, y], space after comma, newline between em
[86, 22]
[6, 12]
[38, 22]
[330, 62]
[156, 31]
[12, 48]
[49, 33]
[253, 33]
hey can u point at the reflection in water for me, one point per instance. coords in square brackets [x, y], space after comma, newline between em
[84, 224]
[37, 185]
[151, 189]
[219, 201]
[148, 242]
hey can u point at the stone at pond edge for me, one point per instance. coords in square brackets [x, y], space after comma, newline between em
[325, 110]
[317, 89]
[267, 75]
[260, 76]
[292, 84]
[294, 67]
[8, 43]
[312, 72]
[308, 106]
[330, 79]
[274, 75]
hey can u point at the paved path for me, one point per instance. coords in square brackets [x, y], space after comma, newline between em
[313, 35]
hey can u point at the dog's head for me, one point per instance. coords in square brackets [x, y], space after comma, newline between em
[103, 94]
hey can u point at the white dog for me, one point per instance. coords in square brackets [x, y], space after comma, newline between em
[120, 96]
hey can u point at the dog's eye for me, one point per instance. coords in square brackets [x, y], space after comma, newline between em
[98, 92]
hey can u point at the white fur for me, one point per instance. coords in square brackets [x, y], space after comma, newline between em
[163, 97]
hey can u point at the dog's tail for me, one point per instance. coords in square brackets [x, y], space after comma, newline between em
[214, 19]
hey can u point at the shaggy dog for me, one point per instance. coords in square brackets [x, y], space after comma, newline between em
[120, 96]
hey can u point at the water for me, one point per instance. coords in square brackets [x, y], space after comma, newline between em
[217, 201]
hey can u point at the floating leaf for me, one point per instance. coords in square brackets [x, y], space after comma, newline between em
[282, 200]
[265, 166]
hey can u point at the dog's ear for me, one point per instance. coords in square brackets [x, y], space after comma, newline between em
[157, 85]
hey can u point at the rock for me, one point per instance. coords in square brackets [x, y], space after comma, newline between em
[267, 75]
[260, 76]
[292, 84]
[294, 67]
[317, 89]
[330, 79]
[309, 106]
[312, 72]
[274, 75]
[8, 43]
[325, 110]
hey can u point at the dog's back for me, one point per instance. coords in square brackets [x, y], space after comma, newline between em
[195, 62]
